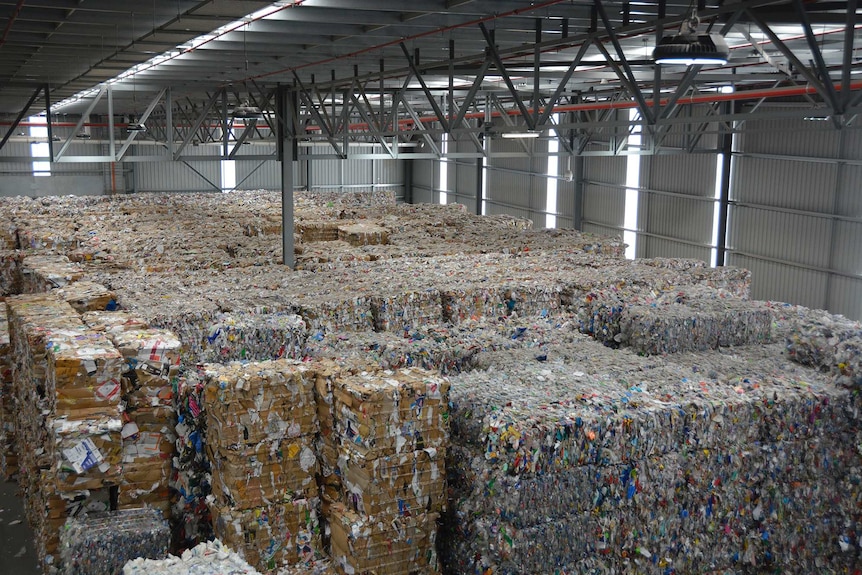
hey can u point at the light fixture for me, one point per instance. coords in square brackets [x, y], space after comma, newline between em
[514, 135]
[135, 126]
[689, 48]
[245, 111]
[82, 136]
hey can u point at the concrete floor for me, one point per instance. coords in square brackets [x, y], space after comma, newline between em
[17, 553]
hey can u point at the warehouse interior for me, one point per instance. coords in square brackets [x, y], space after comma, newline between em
[597, 252]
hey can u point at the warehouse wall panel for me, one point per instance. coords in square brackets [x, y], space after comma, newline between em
[850, 195]
[604, 205]
[845, 296]
[189, 176]
[672, 249]
[779, 282]
[846, 255]
[791, 137]
[423, 172]
[797, 185]
[677, 202]
[780, 236]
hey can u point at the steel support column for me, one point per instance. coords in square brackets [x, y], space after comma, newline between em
[726, 146]
[288, 104]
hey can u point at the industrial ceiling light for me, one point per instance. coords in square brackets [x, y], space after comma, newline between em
[247, 112]
[689, 48]
[135, 126]
[514, 135]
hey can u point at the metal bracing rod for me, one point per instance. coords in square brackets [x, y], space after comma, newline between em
[206, 179]
[417, 122]
[131, 137]
[498, 63]
[242, 137]
[375, 133]
[188, 120]
[436, 107]
[537, 66]
[699, 131]
[682, 88]
[20, 117]
[849, 38]
[315, 113]
[451, 101]
[359, 88]
[782, 47]
[226, 128]
[343, 123]
[656, 81]
[471, 94]
[561, 136]
[780, 66]
[471, 134]
[267, 98]
[832, 97]
[634, 88]
[392, 117]
[197, 125]
[561, 87]
[112, 143]
[320, 105]
[80, 123]
[49, 122]
[504, 114]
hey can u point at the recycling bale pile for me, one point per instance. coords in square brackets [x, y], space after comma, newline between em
[261, 426]
[8, 456]
[830, 343]
[612, 462]
[152, 362]
[40, 273]
[10, 272]
[255, 337]
[392, 434]
[104, 542]
[191, 521]
[66, 460]
[86, 296]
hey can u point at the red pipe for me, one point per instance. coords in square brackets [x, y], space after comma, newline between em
[11, 20]
[690, 100]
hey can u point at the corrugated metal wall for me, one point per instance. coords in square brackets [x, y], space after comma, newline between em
[191, 176]
[604, 194]
[796, 213]
[676, 206]
[464, 176]
[517, 186]
[74, 178]
[424, 174]
[355, 175]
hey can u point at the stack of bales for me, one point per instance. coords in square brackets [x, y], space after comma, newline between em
[66, 389]
[8, 457]
[610, 461]
[261, 425]
[152, 364]
[392, 439]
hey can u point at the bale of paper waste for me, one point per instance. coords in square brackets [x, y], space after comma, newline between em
[363, 545]
[273, 535]
[40, 273]
[87, 296]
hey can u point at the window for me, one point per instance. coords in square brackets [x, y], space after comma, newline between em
[40, 149]
[228, 175]
[552, 180]
[443, 184]
[633, 177]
